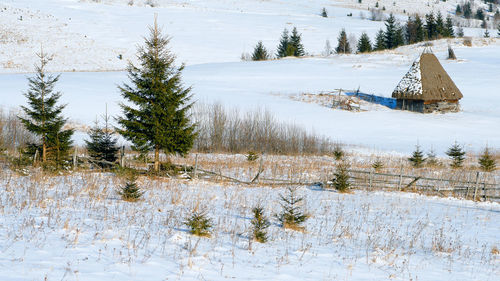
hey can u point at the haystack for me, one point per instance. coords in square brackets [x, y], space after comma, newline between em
[427, 88]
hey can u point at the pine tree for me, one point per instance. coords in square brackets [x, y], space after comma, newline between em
[480, 14]
[44, 117]
[159, 118]
[102, 145]
[467, 10]
[486, 33]
[377, 165]
[420, 29]
[411, 31]
[390, 32]
[417, 159]
[399, 38]
[457, 155]
[364, 44]
[440, 26]
[343, 44]
[291, 216]
[449, 32]
[324, 13]
[131, 192]
[430, 26]
[458, 10]
[486, 161]
[283, 46]
[259, 225]
[296, 43]
[260, 52]
[379, 41]
[431, 158]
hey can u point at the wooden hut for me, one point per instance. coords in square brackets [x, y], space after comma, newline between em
[427, 88]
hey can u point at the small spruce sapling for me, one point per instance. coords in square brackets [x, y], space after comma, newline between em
[341, 177]
[291, 216]
[417, 159]
[432, 159]
[199, 224]
[377, 165]
[457, 155]
[486, 161]
[131, 192]
[338, 152]
[324, 13]
[259, 225]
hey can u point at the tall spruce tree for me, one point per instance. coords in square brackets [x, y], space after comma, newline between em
[390, 32]
[417, 159]
[379, 41]
[431, 27]
[420, 29]
[343, 44]
[440, 26]
[102, 145]
[411, 31]
[296, 43]
[449, 32]
[283, 45]
[260, 52]
[43, 116]
[399, 38]
[159, 118]
[364, 44]
[486, 161]
[457, 155]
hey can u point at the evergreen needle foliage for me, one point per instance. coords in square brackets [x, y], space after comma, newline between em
[379, 41]
[252, 156]
[364, 44]
[102, 145]
[259, 224]
[291, 216]
[343, 46]
[44, 117]
[260, 52]
[486, 161]
[457, 155]
[283, 45]
[417, 159]
[131, 192]
[378, 165]
[324, 13]
[199, 224]
[341, 177]
[296, 43]
[431, 158]
[338, 152]
[159, 119]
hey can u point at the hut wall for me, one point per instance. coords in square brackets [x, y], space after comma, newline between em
[411, 105]
[428, 106]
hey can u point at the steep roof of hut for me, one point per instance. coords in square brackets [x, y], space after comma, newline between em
[427, 80]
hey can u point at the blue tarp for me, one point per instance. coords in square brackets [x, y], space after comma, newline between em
[389, 102]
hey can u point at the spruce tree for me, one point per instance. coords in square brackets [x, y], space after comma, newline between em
[486, 33]
[390, 32]
[296, 43]
[467, 10]
[159, 118]
[431, 158]
[283, 45]
[457, 155]
[420, 29]
[343, 44]
[292, 215]
[458, 10]
[43, 116]
[379, 41]
[440, 25]
[486, 161]
[199, 223]
[399, 38]
[341, 177]
[430, 26]
[449, 32]
[324, 13]
[131, 192]
[102, 145]
[417, 159]
[364, 44]
[259, 224]
[411, 31]
[260, 52]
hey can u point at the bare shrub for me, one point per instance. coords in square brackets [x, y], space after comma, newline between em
[13, 134]
[220, 130]
[467, 41]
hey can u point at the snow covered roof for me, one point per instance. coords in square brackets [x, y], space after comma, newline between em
[427, 80]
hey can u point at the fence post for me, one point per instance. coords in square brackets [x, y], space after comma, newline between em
[371, 176]
[74, 158]
[195, 166]
[400, 178]
[484, 191]
[476, 186]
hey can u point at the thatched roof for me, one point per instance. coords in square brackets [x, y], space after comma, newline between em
[427, 80]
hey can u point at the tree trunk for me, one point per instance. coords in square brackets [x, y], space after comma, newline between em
[157, 158]
[44, 152]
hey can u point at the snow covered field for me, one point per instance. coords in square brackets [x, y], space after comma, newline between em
[75, 228]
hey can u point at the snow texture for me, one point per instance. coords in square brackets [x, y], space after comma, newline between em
[411, 84]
